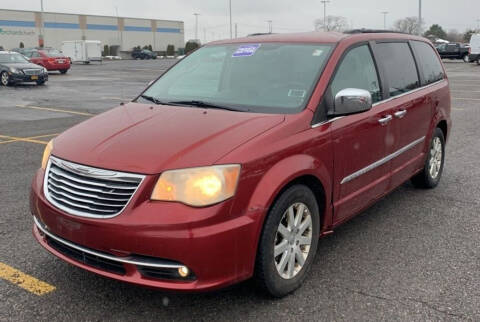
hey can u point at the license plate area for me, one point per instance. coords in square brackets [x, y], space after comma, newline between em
[34, 77]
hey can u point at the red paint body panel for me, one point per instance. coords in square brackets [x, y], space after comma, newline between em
[51, 63]
[219, 243]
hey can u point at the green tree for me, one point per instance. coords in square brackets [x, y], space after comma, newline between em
[170, 50]
[21, 45]
[106, 50]
[150, 47]
[436, 31]
[468, 35]
[191, 46]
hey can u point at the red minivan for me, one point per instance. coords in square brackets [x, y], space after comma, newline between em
[49, 58]
[236, 161]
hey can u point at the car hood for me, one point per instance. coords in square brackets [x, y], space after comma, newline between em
[150, 139]
[22, 65]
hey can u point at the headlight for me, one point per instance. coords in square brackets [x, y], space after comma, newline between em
[198, 187]
[15, 70]
[45, 71]
[46, 154]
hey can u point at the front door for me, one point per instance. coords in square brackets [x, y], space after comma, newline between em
[362, 141]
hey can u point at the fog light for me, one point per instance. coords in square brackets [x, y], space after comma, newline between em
[183, 271]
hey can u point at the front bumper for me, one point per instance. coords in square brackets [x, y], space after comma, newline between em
[217, 248]
[22, 78]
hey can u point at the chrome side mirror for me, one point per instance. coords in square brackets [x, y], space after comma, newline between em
[351, 101]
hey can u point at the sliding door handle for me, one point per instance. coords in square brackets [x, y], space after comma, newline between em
[400, 114]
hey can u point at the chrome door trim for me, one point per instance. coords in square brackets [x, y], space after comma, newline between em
[326, 122]
[127, 260]
[382, 161]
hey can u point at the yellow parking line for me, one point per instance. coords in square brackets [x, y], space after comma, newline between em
[15, 139]
[55, 110]
[25, 281]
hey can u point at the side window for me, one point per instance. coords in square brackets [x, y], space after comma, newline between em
[357, 70]
[400, 68]
[428, 62]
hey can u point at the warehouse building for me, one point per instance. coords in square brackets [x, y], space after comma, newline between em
[118, 32]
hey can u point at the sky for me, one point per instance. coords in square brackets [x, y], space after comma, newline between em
[252, 15]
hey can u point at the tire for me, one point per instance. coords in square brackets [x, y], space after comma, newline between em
[4, 79]
[466, 59]
[63, 71]
[431, 174]
[268, 267]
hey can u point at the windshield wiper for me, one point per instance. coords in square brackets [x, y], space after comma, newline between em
[152, 99]
[209, 105]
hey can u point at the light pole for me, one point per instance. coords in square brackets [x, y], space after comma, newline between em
[384, 13]
[270, 26]
[419, 17]
[196, 25]
[230, 10]
[325, 14]
[42, 26]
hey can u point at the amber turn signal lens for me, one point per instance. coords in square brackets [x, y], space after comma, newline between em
[198, 186]
[46, 154]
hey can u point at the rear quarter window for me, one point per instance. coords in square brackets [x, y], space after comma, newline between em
[428, 62]
[399, 65]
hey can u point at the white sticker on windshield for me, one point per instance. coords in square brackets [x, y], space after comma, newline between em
[317, 52]
[246, 50]
[300, 93]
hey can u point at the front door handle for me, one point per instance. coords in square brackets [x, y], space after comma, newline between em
[400, 114]
[385, 120]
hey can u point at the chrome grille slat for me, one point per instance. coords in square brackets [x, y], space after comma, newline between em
[86, 191]
[64, 187]
[32, 71]
[73, 185]
[75, 178]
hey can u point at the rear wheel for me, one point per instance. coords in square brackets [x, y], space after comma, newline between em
[466, 59]
[288, 242]
[433, 168]
[63, 71]
[4, 79]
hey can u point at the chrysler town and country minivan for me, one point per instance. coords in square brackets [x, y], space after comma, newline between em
[236, 161]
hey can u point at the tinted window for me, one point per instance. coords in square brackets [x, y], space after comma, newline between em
[400, 68]
[429, 64]
[357, 70]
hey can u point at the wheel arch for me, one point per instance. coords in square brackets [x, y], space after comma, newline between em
[442, 125]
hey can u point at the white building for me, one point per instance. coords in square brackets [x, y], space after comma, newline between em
[26, 26]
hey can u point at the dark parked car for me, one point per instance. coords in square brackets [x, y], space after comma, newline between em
[15, 68]
[454, 51]
[143, 54]
[236, 161]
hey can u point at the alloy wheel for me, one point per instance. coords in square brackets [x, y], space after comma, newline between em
[293, 240]
[4, 79]
[436, 158]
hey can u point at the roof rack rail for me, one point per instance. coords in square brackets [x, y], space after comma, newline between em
[260, 34]
[372, 31]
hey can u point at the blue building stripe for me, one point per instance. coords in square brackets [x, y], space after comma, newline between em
[62, 25]
[172, 30]
[101, 27]
[13, 23]
[135, 28]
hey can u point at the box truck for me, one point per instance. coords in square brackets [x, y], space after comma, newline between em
[475, 48]
[83, 51]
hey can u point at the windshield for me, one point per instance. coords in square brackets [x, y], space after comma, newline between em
[52, 53]
[267, 78]
[12, 58]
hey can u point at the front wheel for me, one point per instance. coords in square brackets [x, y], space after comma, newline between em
[4, 79]
[433, 168]
[40, 83]
[466, 59]
[288, 242]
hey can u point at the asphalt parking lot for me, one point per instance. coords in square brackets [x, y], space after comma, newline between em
[413, 256]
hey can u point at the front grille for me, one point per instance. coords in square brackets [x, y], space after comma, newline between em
[32, 71]
[87, 259]
[86, 191]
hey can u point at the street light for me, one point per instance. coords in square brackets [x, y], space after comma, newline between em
[196, 25]
[325, 13]
[419, 17]
[42, 26]
[384, 13]
[270, 26]
[230, 9]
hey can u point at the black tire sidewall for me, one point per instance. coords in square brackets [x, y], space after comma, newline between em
[275, 284]
[431, 182]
